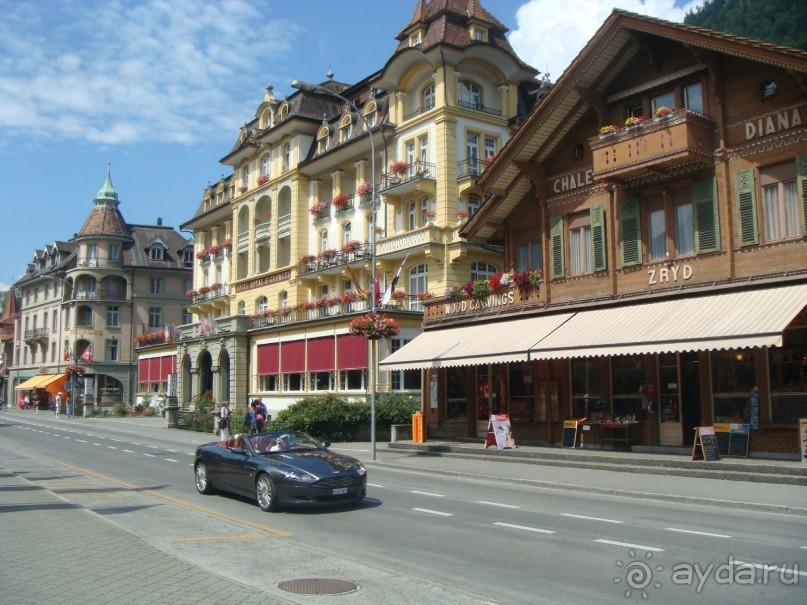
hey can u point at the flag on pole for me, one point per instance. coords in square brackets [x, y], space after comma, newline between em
[87, 355]
[67, 354]
[167, 334]
[355, 281]
[391, 289]
[377, 290]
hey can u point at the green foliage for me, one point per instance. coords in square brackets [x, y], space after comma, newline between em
[776, 21]
[395, 408]
[202, 401]
[238, 422]
[119, 410]
[325, 417]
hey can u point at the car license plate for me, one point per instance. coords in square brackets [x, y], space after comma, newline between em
[339, 491]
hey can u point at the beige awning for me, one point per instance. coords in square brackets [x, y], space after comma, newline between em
[732, 320]
[491, 342]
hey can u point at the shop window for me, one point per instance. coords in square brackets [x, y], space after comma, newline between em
[522, 393]
[668, 388]
[456, 394]
[628, 376]
[319, 381]
[788, 371]
[293, 382]
[733, 379]
[587, 389]
[351, 380]
[482, 270]
[268, 382]
[490, 391]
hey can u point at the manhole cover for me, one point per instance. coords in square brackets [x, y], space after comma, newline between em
[317, 586]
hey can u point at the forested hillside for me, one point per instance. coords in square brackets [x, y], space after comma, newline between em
[778, 21]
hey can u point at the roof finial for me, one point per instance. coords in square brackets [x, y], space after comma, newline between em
[329, 75]
[107, 191]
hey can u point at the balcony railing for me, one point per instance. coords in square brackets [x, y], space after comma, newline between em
[315, 311]
[263, 231]
[347, 206]
[284, 225]
[36, 334]
[430, 234]
[479, 107]
[208, 293]
[99, 294]
[243, 242]
[338, 259]
[654, 146]
[93, 262]
[417, 171]
[419, 111]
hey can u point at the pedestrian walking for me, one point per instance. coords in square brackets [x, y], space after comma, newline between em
[57, 403]
[224, 422]
[69, 406]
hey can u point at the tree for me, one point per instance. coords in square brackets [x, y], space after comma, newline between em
[3, 296]
[775, 21]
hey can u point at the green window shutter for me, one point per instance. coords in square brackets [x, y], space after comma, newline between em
[597, 214]
[630, 221]
[801, 186]
[556, 233]
[746, 206]
[707, 231]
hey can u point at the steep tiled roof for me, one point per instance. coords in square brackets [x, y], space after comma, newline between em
[135, 254]
[104, 221]
[7, 318]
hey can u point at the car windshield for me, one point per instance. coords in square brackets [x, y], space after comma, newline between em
[282, 441]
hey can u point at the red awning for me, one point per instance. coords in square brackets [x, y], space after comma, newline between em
[167, 366]
[321, 354]
[268, 359]
[143, 370]
[154, 369]
[351, 352]
[292, 357]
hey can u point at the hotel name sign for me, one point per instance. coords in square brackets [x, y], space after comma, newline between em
[468, 305]
[263, 281]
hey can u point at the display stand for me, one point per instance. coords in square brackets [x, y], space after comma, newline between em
[570, 428]
[732, 439]
[705, 446]
[499, 432]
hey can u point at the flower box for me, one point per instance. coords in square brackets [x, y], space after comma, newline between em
[364, 189]
[318, 209]
[634, 121]
[374, 326]
[398, 168]
[263, 179]
[664, 112]
[341, 201]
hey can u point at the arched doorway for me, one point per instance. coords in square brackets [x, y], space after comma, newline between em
[205, 373]
[224, 376]
[186, 391]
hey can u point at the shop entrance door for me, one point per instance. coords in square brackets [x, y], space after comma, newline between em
[690, 395]
[490, 398]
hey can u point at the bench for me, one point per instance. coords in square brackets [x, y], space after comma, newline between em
[400, 432]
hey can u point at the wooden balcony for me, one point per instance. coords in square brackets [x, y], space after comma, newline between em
[655, 146]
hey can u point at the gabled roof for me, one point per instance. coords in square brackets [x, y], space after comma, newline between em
[594, 69]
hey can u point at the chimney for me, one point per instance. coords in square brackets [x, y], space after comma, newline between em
[159, 221]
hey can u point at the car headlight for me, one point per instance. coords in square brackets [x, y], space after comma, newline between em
[359, 468]
[296, 475]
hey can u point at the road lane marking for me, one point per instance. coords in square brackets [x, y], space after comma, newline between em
[112, 447]
[244, 537]
[81, 440]
[536, 530]
[150, 455]
[374, 485]
[697, 533]
[590, 518]
[428, 494]
[788, 571]
[433, 512]
[98, 444]
[499, 504]
[626, 545]
[279, 533]
[170, 460]
[128, 451]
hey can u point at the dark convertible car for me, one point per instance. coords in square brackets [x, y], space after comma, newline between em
[279, 468]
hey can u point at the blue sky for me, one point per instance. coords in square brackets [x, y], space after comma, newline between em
[159, 88]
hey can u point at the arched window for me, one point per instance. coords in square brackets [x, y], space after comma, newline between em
[262, 304]
[283, 300]
[481, 270]
[428, 97]
[284, 112]
[370, 114]
[468, 94]
[419, 278]
[345, 129]
[323, 137]
[242, 307]
[323, 240]
[286, 156]
[347, 231]
[266, 164]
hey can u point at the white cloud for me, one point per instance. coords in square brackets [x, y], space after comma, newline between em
[137, 70]
[549, 34]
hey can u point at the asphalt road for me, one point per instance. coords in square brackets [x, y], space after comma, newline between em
[502, 542]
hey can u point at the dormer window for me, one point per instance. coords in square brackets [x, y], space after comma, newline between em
[414, 38]
[322, 140]
[370, 114]
[479, 34]
[345, 129]
[156, 251]
[187, 256]
[284, 112]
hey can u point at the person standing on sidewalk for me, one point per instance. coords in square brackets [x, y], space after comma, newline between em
[68, 405]
[224, 422]
[57, 403]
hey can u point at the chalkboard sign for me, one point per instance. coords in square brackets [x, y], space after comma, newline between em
[705, 446]
[732, 439]
[569, 433]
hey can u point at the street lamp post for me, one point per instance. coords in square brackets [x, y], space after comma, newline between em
[311, 87]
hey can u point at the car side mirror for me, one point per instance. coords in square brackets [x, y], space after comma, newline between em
[326, 444]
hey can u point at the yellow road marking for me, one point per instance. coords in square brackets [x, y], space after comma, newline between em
[203, 509]
[247, 537]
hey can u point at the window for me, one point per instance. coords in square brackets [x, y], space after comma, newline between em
[347, 230]
[428, 97]
[156, 285]
[114, 251]
[468, 94]
[490, 147]
[284, 300]
[780, 202]
[410, 157]
[156, 252]
[319, 381]
[323, 240]
[733, 379]
[245, 176]
[481, 270]
[479, 35]
[266, 165]
[187, 316]
[472, 152]
[155, 318]
[286, 156]
[425, 212]
[419, 278]
[405, 380]
[293, 382]
[67, 317]
[53, 322]
[580, 259]
[345, 129]
[693, 97]
[92, 255]
[113, 316]
[242, 307]
[665, 100]
[411, 215]
[322, 140]
[370, 114]
[529, 256]
[474, 202]
[414, 39]
[111, 350]
[187, 256]
[684, 222]
[656, 229]
[187, 284]
[634, 110]
[423, 151]
[84, 317]
[262, 304]
[351, 380]
[268, 383]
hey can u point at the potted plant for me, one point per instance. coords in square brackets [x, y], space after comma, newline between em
[340, 201]
[242, 189]
[462, 215]
[364, 189]
[374, 326]
[398, 168]
[352, 246]
[430, 215]
[424, 296]
[664, 112]
[263, 179]
[318, 209]
[307, 258]
[634, 121]
[608, 130]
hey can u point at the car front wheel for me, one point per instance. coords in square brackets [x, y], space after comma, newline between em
[265, 493]
[202, 480]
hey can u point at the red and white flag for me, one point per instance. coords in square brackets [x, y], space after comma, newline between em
[87, 354]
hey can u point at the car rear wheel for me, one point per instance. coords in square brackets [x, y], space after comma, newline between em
[202, 480]
[265, 493]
